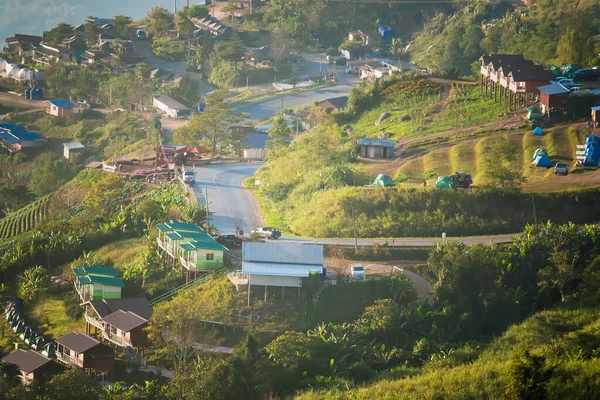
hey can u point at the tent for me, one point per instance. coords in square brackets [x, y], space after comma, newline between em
[383, 180]
[539, 152]
[568, 69]
[534, 113]
[556, 71]
[542, 161]
[538, 131]
[591, 160]
[444, 182]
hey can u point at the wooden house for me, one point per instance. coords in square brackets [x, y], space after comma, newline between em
[33, 366]
[83, 351]
[120, 321]
[97, 283]
[61, 108]
[376, 148]
[190, 247]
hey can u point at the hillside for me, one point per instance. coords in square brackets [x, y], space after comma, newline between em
[562, 364]
[470, 156]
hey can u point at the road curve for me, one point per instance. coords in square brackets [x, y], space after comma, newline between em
[232, 206]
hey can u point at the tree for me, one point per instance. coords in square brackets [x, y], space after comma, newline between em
[212, 125]
[526, 377]
[561, 271]
[195, 11]
[57, 80]
[122, 21]
[232, 50]
[143, 71]
[231, 7]
[57, 34]
[63, 386]
[279, 128]
[159, 20]
[184, 25]
[187, 90]
[499, 159]
[104, 197]
[223, 75]
[33, 283]
[50, 174]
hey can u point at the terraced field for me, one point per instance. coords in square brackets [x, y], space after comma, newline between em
[25, 218]
[470, 155]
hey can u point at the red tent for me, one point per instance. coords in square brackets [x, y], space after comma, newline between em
[197, 151]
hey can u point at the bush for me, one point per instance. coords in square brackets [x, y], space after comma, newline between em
[71, 303]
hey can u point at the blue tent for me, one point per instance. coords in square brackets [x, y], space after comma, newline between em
[591, 160]
[538, 131]
[542, 161]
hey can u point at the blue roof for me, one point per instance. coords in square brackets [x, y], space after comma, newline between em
[62, 103]
[376, 142]
[11, 127]
[27, 136]
[8, 138]
[259, 140]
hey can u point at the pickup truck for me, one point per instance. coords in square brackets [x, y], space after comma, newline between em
[267, 232]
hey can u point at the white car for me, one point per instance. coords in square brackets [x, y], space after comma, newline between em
[189, 177]
[357, 271]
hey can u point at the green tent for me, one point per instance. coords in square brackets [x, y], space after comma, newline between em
[383, 180]
[534, 113]
[444, 182]
[556, 71]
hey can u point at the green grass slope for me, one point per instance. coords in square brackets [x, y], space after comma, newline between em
[565, 340]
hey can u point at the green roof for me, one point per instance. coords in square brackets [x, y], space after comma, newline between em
[187, 246]
[163, 228]
[96, 270]
[201, 236]
[208, 245]
[173, 236]
[102, 280]
[183, 226]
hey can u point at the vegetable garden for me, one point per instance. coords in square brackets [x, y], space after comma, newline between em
[25, 218]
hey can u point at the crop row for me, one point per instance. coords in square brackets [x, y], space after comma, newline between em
[25, 218]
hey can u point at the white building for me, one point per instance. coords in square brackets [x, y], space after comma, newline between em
[72, 148]
[280, 264]
[170, 107]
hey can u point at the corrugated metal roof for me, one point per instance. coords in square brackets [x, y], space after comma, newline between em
[170, 102]
[62, 103]
[104, 280]
[163, 228]
[78, 342]
[194, 235]
[8, 138]
[74, 145]
[208, 245]
[27, 360]
[282, 269]
[183, 226]
[376, 142]
[124, 320]
[96, 270]
[26, 135]
[553, 88]
[305, 254]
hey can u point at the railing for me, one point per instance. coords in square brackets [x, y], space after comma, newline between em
[517, 87]
[67, 359]
[494, 76]
[190, 266]
[93, 321]
[484, 71]
[116, 339]
[504, 81]
[173, 292]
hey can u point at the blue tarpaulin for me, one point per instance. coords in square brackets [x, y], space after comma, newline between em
[542, 161]
[538, 131]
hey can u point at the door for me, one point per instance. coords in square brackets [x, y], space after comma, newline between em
[371, 152]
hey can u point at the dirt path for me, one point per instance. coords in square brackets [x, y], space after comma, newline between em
[421, 285]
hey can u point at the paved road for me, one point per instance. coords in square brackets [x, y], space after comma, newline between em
[232, 205]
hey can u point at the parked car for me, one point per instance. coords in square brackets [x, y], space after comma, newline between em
[267, 232]
[230, 241]
[357, 271]
[586, 74]
[561, 168]
[189, 177]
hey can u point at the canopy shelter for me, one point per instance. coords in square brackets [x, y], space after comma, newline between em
[538, 131]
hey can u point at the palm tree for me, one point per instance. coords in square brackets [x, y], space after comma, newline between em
[121, 21]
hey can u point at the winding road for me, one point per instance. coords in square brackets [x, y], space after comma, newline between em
[233, 207]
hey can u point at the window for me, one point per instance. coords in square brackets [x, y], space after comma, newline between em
[210, 256]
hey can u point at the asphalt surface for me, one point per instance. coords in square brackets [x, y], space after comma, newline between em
[231, 205]
[234, 207]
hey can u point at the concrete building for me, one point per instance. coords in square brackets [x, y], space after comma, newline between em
[376, 148]
[170, 107]
[72, 148]
[60, 108]
[279, 265]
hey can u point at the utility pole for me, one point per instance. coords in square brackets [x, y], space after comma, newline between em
[247, 82]
[354, 228]
[282, 102]
[250, 6]
[175, 7]
[207, 213]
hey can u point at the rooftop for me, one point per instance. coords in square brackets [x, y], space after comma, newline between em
[74, 145]
[62, 103]
[283, 253]
[203, 245]
[376, 142]
[335, 102]
[139, 305]
[553, 88]
[103, 280]
[78, 342]
[124, 320]
[282, 269]
[170, 102]
[27, 360]
[96, 270]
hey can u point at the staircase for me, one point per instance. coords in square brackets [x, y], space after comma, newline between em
[173, 292]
